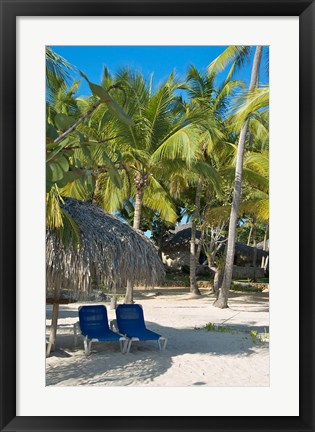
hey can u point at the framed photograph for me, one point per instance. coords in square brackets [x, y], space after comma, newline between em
[57, 395]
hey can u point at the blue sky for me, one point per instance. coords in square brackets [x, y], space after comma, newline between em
[160, 60]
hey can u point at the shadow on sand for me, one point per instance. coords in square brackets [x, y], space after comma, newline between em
[107, 366]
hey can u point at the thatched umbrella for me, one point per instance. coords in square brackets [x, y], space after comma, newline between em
[110, 253]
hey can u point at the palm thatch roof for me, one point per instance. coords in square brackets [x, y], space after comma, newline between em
[111, 253]
[180, 237]
[246, 252]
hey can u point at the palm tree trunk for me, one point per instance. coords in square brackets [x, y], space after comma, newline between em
[200, 245]
[255, 248]
[264, 246]
[129, 293]
[217, 281]
[193, 280]
[160, 240]
[249, 235]
[265, 237]
[138, 208]
[96, 190]
[140, 179]
[222, 301]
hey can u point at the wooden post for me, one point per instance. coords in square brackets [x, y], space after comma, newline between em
[53, 329]
[54, 322]
[129, 293]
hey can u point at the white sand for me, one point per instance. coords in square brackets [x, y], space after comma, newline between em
[193, 357]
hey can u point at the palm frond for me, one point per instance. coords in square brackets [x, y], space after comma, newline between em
[249, 103]
[236, 55]
[258, 207]
[208, 172]
[76, 189]
[251, 177]
[105, 97]
[53, 210]
[217, 215]
[226, 91]
[156, 198]
[108, 196]
[57, 69]
[183, 144]
[258, 162]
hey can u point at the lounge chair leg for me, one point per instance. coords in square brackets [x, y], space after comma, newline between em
[130, 342]
[162, 343]
[87, 346]
[123, 345]
[129, 346]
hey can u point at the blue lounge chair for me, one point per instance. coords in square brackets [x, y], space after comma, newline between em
[94, 327]
[130, 322]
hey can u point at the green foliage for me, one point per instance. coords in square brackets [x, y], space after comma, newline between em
[257, 338]
[249, 103]
[219, 328]
[105, 97]
[63, 122]
[235, 56]
[182, 279]
[71, 161]
[57, 69]
[253, 334]
[103, 288]
[245, 288]
[210, 327]
[245, 229]
[56, 168]
[225, 329]
[126, 129]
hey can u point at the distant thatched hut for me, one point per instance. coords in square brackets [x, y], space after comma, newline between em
[176, 249]
[176, 252]
[110, 253]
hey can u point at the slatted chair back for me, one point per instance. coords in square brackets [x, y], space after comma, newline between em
[130, 317]
[93, 318]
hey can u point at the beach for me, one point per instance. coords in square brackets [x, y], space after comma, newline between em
[232, 351]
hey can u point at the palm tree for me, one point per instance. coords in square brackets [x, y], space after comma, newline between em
[58, 69]
[254, 209]
[64, 116]
[221, 302]
[211, 105]
[161, 131]
[152, 125]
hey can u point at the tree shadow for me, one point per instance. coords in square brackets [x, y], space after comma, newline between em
[64, 312]
[107, 366]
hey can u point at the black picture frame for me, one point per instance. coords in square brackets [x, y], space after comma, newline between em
[305, 9]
